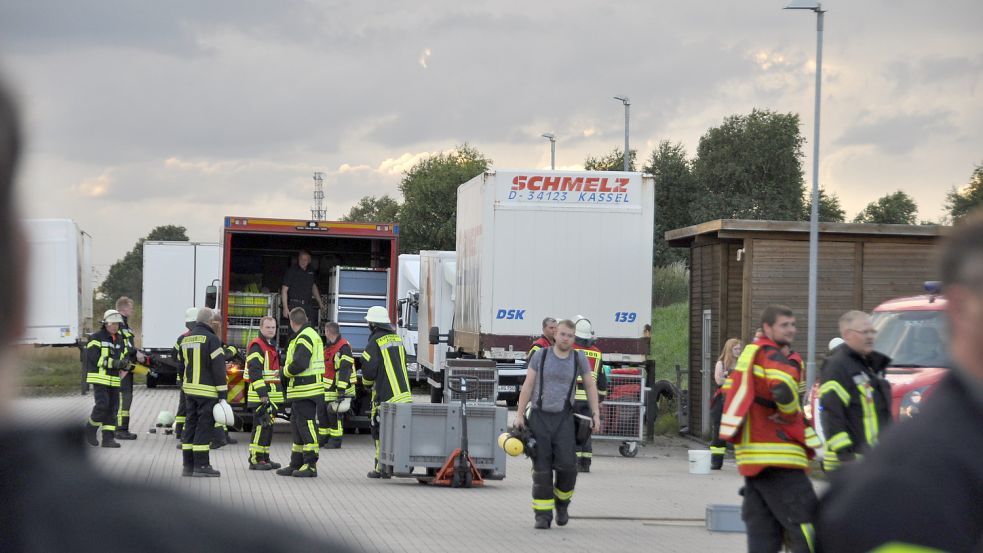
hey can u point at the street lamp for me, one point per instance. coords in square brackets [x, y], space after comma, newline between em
[814, 6]
[626, 102]
[552, 138]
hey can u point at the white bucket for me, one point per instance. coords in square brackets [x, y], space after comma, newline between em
[699, 461]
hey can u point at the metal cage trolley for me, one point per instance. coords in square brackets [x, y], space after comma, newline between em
[623, 411]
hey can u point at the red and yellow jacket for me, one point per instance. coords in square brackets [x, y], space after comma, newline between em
[763, 414]
[541, 342]
[593, 354]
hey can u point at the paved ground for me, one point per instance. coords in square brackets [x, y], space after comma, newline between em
[648, 503]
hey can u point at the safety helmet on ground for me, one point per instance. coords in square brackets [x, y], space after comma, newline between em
[165, 418]
[378, 315]
[222, 412]
[835, 343]
[583, 329]
[191, 314]
[112, 316]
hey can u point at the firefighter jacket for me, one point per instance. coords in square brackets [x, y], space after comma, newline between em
[105, 353]
[129, 340]
[593, 355]
[304, 366]
[339, 370]
[203, 360]
[178, 357]
[541, 342]
[762, 413]
[384, 368]
[263, 372]
[855, 399]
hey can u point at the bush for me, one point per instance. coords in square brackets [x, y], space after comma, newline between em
[670, 284]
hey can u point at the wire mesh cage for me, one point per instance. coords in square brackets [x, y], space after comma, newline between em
[623, 410]
[486, 373]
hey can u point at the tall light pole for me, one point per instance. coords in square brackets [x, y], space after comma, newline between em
[627, 103]
[815, 6]
[552, 139]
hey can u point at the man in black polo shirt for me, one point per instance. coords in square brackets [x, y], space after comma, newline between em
[300, 289]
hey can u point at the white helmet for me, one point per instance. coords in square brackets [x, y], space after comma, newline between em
[834, 343]
[165, 418]
[222, 412]
[583, 329]
[112, 316]
[378, 315]
[191, 314]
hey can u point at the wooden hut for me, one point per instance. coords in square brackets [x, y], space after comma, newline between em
[738, 267]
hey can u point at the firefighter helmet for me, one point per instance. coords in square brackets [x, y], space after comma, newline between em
[223, 413]
[378, 315]
[112, 316]
[834, 343]
[165, 418]
[583, 329]
[191, 314]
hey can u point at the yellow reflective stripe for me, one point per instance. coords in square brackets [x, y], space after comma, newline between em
[776, 374]
[258, 385]
[839, 441]
[835, 387]
[199, 389]
[348, 358]
[810, 535]
[898, 547]
[257, 357]
[543, 504]
[870, 414]
[404, 397]
[812, 439]
[562, 495]
[366, 356]
[729, 420]
[216, 353]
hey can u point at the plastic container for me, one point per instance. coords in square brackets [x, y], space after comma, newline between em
[699, 461]
[725, 518]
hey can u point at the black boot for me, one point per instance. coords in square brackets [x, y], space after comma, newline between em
[187, 462]
[716, 461]
[296, 461]
[229, 439]
[333, 443]
[206, 472]
[306, 471]
[273, 466]
[218, 439]
[108, 440]
[543, 522]
[125, 435]
[91, 434]
[562, 516]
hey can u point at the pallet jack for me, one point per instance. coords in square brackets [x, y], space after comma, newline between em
[459, 470]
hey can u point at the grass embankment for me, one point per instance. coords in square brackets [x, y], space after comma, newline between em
[50, 371]
[670, 346]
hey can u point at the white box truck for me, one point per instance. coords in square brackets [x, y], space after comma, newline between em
[438, 275]
[175, 276]
[408, 301]
[59, 277]
[534, 244]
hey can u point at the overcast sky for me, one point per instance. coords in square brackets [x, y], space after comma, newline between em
[148, 113]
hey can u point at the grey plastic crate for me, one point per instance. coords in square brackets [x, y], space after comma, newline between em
[725, 518]
[422, 435]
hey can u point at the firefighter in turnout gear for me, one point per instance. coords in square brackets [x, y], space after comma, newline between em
[190, 314]
[854, 395]
[204, 384]
[231, 354]
[725, 365]
[265, 393]
[546, 339]
[125, 307]
[772, 443]
[303, 390]
[384, 369]
[584, 341]
[339, 370]
[549, 390]
[105, 361]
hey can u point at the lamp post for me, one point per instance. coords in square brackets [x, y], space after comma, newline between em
[552, 138]
[627, 103]
[814, 6]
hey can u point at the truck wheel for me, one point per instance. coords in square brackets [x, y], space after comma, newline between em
[436, 395]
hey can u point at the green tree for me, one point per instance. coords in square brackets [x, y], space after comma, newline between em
[428, 216]
[675, 193]
[125, 277]
[750, 167]
[830, 210]
[961, 202]
[370, 209]
[614, 161]
[892, 209]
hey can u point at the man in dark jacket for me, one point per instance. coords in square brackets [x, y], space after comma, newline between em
[53, 499]
[854, 395]
[920, 488]
[384, 370]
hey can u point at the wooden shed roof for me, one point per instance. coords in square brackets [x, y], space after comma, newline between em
[741, 228]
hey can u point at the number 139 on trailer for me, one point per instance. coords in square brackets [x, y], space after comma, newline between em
[625, 316]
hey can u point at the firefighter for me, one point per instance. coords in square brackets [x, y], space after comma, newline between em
[303, 390]
[125, 307]
[384, 369]
[584, 341]
[854, 395]
[105, 363]
[551, 379]
[723, 368]
[231, 355]
[204, 384]
[190, 314]
[763, 418]
[545, 340]
[265, 394]
[339, 368]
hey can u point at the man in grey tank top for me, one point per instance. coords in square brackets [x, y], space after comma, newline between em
[549, 392]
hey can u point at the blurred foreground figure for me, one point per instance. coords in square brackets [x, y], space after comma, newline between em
[52, 498]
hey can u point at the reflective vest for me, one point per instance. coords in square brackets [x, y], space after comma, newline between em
[100, 351]
[203, 360]
[384, 368]
[593, 355]
[339, 370]
[264, 357]
[304, 381]
[762, 413]
[541, 342]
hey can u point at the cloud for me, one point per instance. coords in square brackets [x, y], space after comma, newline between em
[96, 187]
[898, 133]
[424, 58]
[401, 164]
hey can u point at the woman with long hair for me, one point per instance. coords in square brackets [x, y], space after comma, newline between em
[725, 364]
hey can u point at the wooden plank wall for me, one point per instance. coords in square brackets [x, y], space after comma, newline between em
[704, 294]
[735, 295]
[892, 270]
